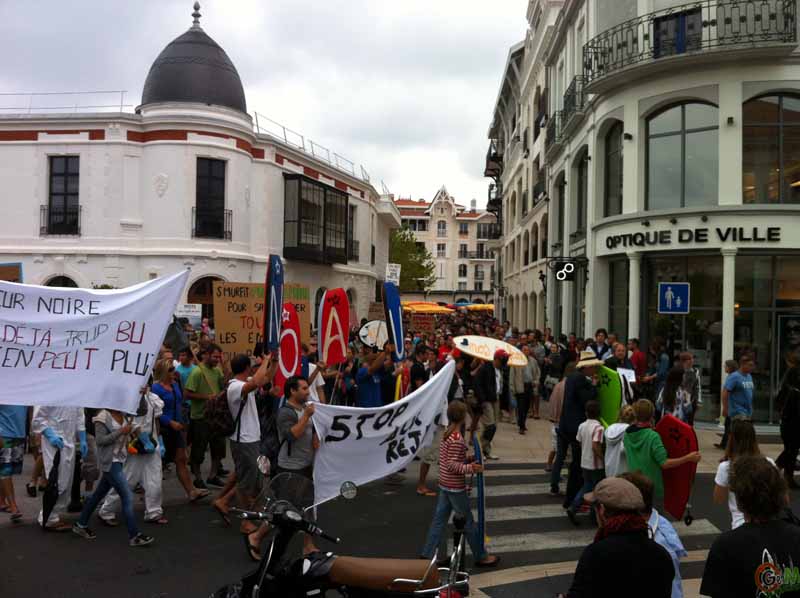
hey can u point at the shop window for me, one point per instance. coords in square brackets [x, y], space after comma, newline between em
[315, 219]
[618, 297]
[683, 157]
[771, 150]
[612, 204]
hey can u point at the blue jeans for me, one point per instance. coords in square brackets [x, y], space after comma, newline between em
[446, 503]
[591, 477]
[113, 478]
[558, 462]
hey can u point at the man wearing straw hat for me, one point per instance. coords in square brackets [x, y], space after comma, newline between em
[579, 390]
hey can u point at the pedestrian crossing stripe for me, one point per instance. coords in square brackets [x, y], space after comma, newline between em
[575, 538]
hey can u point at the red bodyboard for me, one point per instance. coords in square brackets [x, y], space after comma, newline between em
[333, 327]
[289, 357]
[679, 439]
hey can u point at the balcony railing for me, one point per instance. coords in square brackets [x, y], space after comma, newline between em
[353, 253]
[480, 275]
[553, 137]
[490, 231]
[690, 28]
[574, 100]
[494, 160]
[65, 220]
[538, 189]
[212, 224]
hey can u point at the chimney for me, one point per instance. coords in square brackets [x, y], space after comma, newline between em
[472, 205]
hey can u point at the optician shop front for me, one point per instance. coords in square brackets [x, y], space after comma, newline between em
[743, 270]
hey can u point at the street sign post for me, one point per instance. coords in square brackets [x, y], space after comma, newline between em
[673, 298]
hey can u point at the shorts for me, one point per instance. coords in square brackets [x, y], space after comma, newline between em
[430, 454]
[202, 439]
[245, 460]
[11, 457]
[173, 440]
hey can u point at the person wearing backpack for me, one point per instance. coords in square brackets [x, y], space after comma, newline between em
[246, 438]
[204, 384]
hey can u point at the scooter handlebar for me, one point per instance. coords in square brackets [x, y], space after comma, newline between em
[316, 531]
[249, 515]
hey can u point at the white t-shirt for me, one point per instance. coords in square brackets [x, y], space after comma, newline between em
[249, 424]
[318, 381]
[721, 479]
[588, 432]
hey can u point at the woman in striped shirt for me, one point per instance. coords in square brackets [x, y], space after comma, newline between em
[453, 495]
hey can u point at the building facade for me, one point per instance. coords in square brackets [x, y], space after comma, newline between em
[671, 157]
[461, 242]
[185, 181]
[516, 162]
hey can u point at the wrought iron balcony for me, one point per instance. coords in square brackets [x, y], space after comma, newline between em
[553, 139]
[574, 101]
[693, 29]
[59, 220]
[212, 224]
[489, 231]
[353, 254]
[538, 189]
[494, 160]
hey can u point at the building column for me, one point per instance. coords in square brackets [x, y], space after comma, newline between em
[634, 293]
[728, 305]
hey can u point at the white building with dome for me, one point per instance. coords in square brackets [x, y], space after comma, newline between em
[185, 181]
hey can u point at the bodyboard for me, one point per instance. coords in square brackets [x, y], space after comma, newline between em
[679, 439]
[609, 395]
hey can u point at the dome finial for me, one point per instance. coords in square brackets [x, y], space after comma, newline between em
[196, 16]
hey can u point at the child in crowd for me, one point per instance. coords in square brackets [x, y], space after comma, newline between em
[615, 446]
[453, 495]
[590, 436]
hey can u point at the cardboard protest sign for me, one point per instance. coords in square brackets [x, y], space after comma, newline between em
[366, 444]
[298, 295]
[11, 272]
[191, 312]
[334, 316]
[423, 323]
[289, 358]
[375, 311]
[394, 319]
[238, 316]
[273, 303]
[82, 347]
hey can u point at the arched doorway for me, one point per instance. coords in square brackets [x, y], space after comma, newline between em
[64, 282]
[201, 292]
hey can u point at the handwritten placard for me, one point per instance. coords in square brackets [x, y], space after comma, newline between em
[82, 347]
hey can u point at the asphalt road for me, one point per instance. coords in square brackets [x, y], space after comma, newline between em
[195, 554]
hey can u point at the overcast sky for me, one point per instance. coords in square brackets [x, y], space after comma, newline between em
[406, 88]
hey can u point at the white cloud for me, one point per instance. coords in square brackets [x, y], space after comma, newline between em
[406, 88]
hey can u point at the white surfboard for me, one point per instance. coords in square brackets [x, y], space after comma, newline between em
[374, 333]
[484, 348]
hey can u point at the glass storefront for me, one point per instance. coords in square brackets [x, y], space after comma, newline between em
[766, 319]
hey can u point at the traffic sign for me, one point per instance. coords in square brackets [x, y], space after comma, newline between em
[673, 298]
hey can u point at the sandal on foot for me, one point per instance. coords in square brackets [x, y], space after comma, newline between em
[158, 521]
[199, 495]
[30, 488]
[16, 517]
[426, 492]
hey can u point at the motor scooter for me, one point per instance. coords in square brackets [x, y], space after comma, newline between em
[283, 573]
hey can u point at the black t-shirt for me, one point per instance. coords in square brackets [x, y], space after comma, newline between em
[754, 560]
[418, 372]
[625, 565]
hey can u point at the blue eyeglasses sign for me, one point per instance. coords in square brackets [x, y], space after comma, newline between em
[273, 303]
[394, 319]
[674, 298]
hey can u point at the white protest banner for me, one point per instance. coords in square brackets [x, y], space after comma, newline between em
[362, 445]
[81, 347]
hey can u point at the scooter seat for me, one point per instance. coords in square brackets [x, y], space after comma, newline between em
[380, 575]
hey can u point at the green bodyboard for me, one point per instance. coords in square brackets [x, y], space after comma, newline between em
[609, 395]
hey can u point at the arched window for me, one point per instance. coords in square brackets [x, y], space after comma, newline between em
[612, 204]
[462, 270]
[683, 157]
[535, 243]
[64, 282]
[581, 196]
[526, 248]
[543, 233]
[317, 302]
[561, 207]
[771, 149]
[441, 228]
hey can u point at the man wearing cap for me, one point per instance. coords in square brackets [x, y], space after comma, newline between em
[579, 390]
[491, 383]
[622, 561]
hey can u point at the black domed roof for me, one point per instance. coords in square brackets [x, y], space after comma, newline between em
[194, 68]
